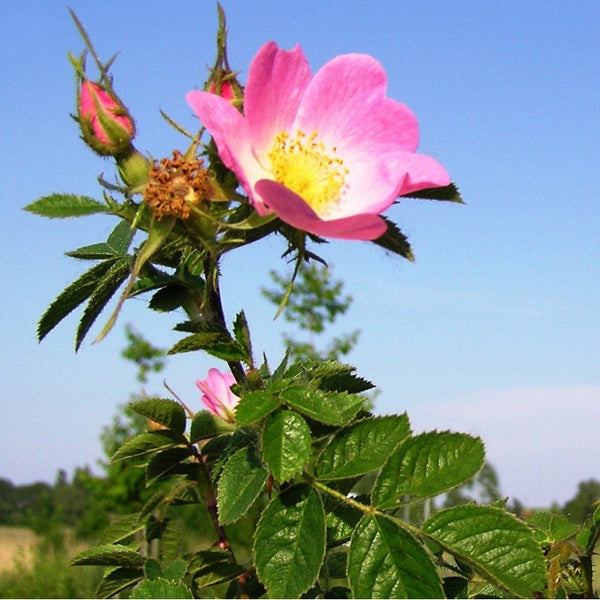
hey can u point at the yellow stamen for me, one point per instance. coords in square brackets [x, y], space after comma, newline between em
[306, 167]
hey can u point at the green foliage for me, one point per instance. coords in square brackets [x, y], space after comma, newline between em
[66, 205]
[313, 302]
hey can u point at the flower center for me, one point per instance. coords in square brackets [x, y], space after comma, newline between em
[306, 167]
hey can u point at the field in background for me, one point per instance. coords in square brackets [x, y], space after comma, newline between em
[17, 545]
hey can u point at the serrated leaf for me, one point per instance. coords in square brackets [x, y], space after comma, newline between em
[556, 526]
[165, 462]
[285, 444]
[395, 241]
[326, 407]
[66, 205]
[168, 298]
[109, 555]
[427, 465]
[494, 543]
[362, 447]
[71, 297]
[121, 529]
[333, 376]
[146, 443]
[161, 588]
[241, 333]
[117, 580]
[121, 237]
[385, 561]
[289, 545]
[105, 289]
[206, 425]
[241, 481]
[164, 411]
[176, 570]
[255, 406]
[93, 252]
[217, 344]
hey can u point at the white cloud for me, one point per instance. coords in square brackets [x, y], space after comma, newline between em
[542, 440]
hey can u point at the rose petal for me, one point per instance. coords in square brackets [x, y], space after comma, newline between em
[292, 209]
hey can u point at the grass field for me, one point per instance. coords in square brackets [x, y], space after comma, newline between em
[17, 545]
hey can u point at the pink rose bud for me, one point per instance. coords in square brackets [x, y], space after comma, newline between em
[106, 125]
[217, 395]
[227, 90]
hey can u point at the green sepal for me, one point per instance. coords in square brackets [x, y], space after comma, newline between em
[66, 205]
[448, 193]
[395, 241]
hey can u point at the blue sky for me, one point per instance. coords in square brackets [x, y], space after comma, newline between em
[495, 329]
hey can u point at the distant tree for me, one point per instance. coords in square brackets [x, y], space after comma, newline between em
[316, 302]
[483, 488]
[582, 505]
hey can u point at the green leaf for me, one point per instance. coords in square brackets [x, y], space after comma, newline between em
[385, 561]
[333, 376]
[427, 465]
[447, 193]
[215, 343]
[165, 462]
[494, 543]
[162, 410]
[109, 555]
[71, 297]
[241, 333]
[176, 570]
[168, 298]
[555, 526]
[395, 241]
[121, 529]
[325, 407]
[121, 237]
[146, 443]
[255, 406]
[161, 588]
[362, 447]
[66, 205]
[117, 580]
[116, 245]
[289, 544]
[241, 481]
[285, 444]
[105, 288]
[206, 425]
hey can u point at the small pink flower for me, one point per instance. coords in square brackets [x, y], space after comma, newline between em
[217, 395]
[326, 153]
[106, 125]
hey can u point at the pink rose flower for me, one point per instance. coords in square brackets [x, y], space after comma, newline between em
[217, 395]
[106, 125]
[326, 153]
